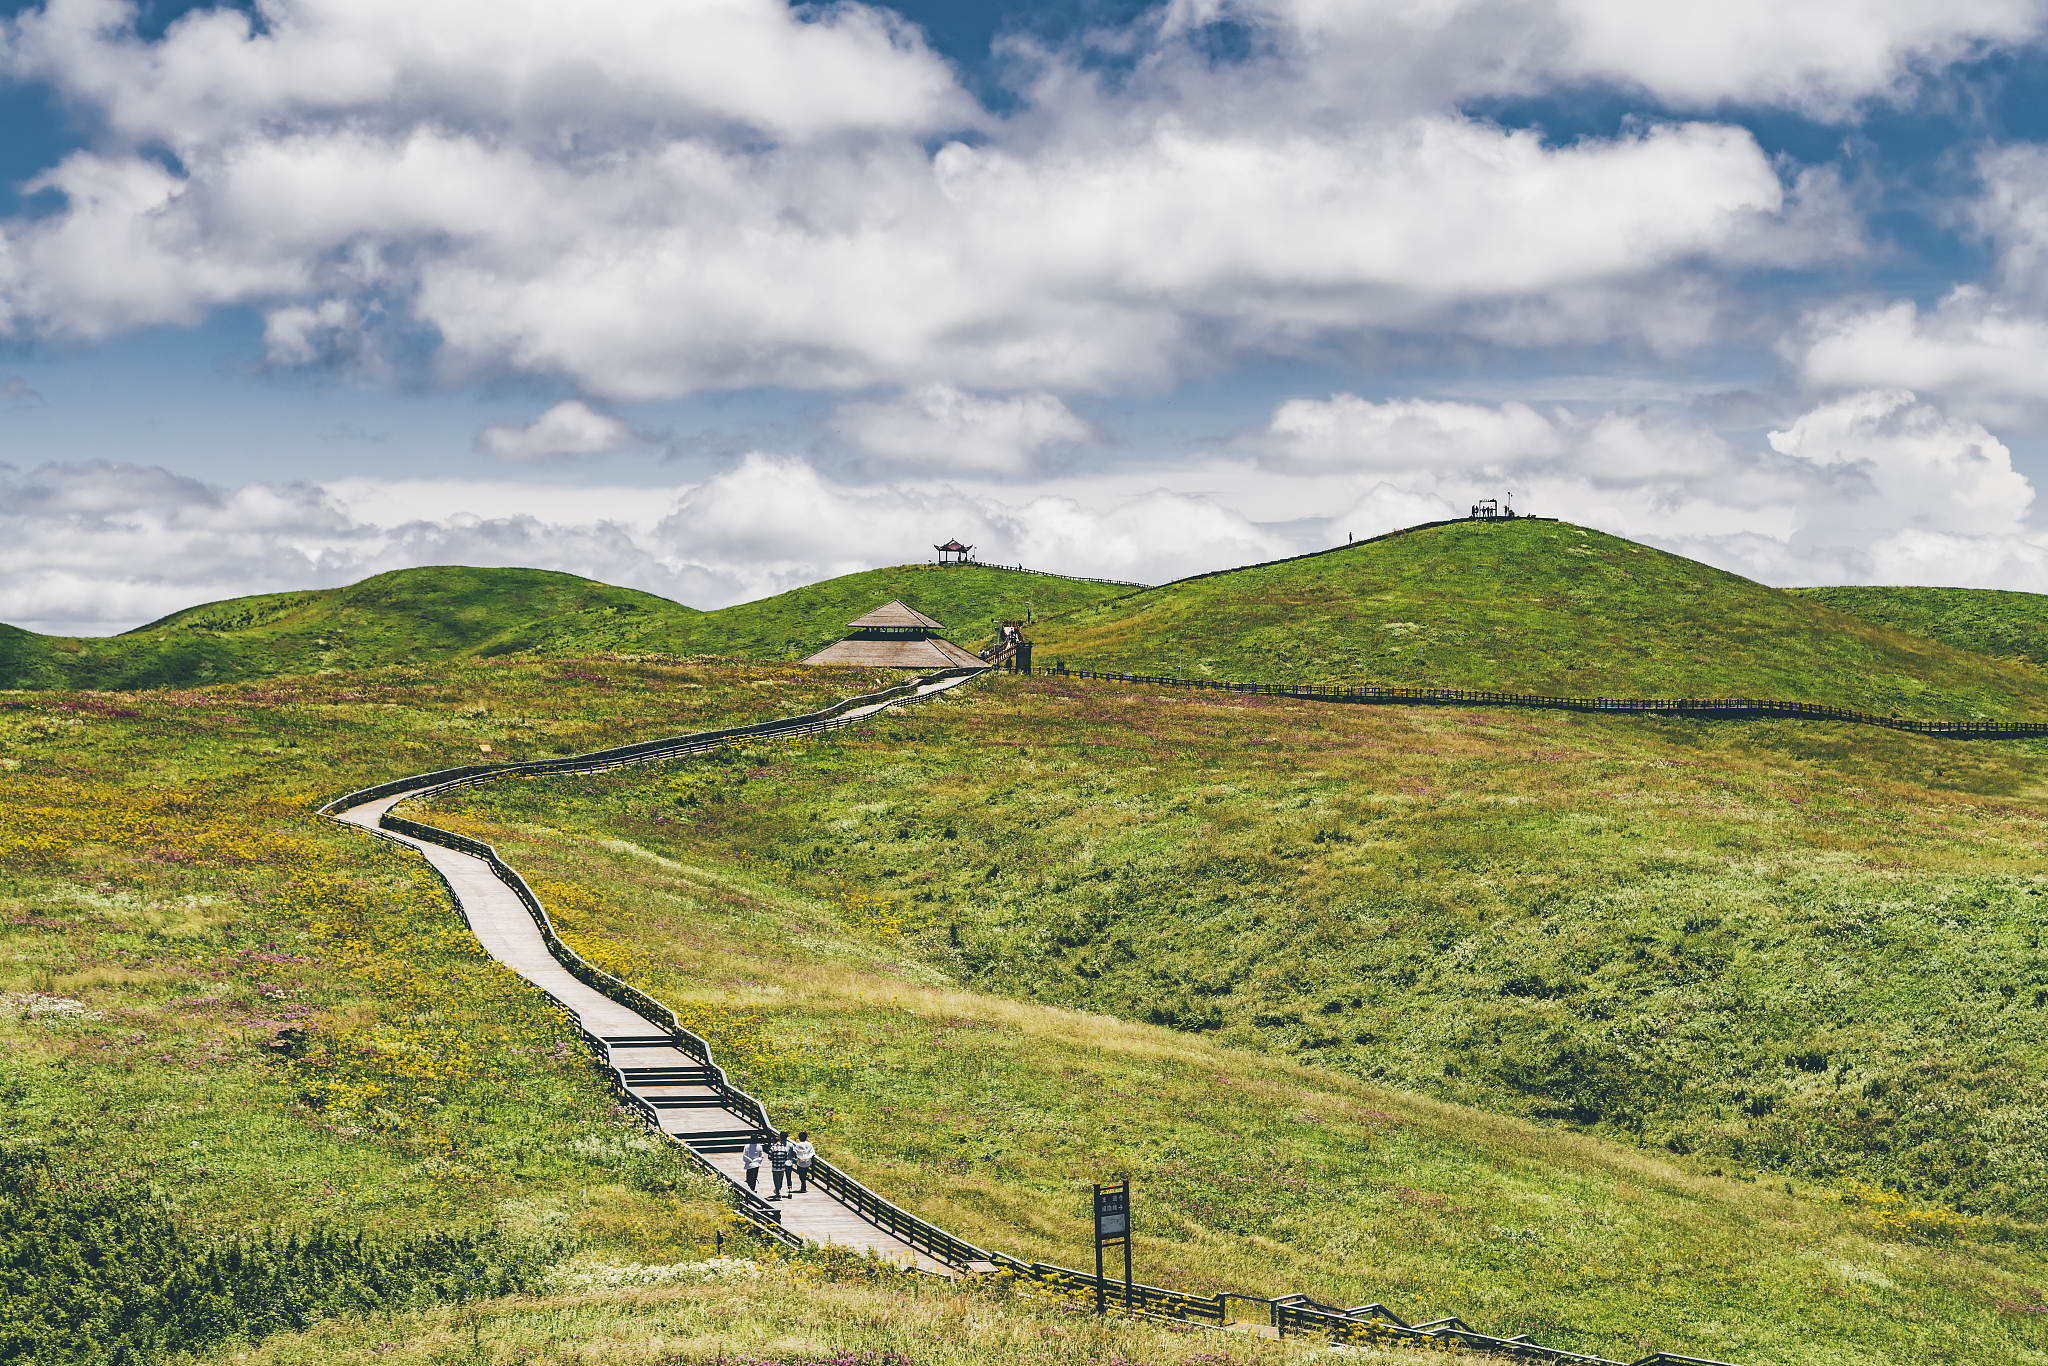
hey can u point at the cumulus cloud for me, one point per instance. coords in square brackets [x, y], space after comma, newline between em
[1823, 58]
[939, 427]
[96, 548]
[1981, 349]
[1877, 486]
[570, 428]
[647, 199]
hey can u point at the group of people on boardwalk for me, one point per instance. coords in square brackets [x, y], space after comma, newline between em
[788, 1162]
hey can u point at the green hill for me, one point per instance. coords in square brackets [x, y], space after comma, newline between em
[967, 600]
[409, 615]
[1989, 621]
[1532, 606]
[451, 611]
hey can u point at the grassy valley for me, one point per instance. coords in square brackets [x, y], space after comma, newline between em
[1533, 607]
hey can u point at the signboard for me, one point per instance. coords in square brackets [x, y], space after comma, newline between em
[1112, 1229]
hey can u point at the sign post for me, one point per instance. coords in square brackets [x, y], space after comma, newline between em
[1112, 1229]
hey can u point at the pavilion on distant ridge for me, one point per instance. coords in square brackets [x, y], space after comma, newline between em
[952, 552]
[896, 637]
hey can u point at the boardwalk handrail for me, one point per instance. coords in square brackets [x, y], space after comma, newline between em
[1704, 708]
[1289, 1315]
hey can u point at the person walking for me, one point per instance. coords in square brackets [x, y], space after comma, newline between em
[751, 1159]
[781, 1156]
[804, 1153]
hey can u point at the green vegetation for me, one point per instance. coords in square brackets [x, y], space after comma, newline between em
[408, 616]
[1532, 606]
[1989, 621]
[1719, 1037]
[108, 1276]
[1630, 979]
[417, 616]
[783, 1314]
[968, 600]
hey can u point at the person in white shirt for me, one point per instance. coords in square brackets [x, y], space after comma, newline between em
[803, 1152]
[752, 1159]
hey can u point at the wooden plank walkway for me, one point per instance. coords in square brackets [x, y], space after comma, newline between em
[671, 1081]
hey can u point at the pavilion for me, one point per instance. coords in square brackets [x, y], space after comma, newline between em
[896, 637]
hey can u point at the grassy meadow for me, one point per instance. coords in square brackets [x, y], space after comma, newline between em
[1615, 1032]
[1530, 606]
[1509, 1016]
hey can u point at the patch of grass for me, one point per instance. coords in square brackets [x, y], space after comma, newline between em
[780, 1316]
[1530, 606]
[1988, 621]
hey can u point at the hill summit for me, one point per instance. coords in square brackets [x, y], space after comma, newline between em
[1531, 606]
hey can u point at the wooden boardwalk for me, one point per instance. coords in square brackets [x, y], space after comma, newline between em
[672, 1082]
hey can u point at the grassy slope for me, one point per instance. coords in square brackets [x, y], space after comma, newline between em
[1988, 621]
[409, 615]
[968, 601]
[170, 914]
[1536, 607]
[1606, 963]
[448, 612]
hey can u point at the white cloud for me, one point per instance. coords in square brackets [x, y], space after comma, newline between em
[1975, 351]
[1873, 487]
[92, 549]
[1981, 350]
[938, 427]
[569, 428]
[1823, 57]
[646, 199]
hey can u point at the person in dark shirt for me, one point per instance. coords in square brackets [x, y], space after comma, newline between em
[781, 1158]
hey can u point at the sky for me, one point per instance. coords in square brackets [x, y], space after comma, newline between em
[713, 298]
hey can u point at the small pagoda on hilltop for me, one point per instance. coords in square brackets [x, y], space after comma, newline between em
[896, 637]
[952, 552]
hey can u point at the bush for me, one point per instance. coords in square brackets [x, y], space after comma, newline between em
[107, 1277]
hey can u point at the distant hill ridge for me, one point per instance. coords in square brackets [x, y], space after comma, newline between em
[452, 611]
[1532, 606]
[1525, 605]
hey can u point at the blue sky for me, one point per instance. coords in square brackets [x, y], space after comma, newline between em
[712, 298]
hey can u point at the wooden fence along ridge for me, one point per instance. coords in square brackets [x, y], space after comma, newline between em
[668, 1074]
[1702, 708]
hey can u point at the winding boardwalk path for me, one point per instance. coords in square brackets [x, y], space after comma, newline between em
[672, 1083]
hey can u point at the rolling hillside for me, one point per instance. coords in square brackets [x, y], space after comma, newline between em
[446, 612]
[968, 600]
[1529, 1019]
[1989, 621]
[409, 615]
[1532, 606]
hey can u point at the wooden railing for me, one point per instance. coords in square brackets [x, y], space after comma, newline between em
[1707, 708]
